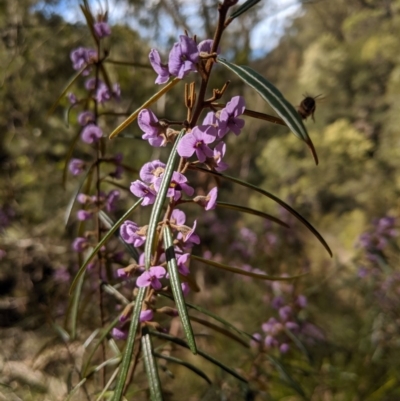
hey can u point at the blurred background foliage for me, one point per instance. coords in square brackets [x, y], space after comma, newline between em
[347, 51]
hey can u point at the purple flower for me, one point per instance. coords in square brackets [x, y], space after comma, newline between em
[90, 83]
[197, 141]
[72, 98]
[76, 166]
[269, 326]
[256, 340]
[102, 29]
[129, 233]
[277, 302]
[190, 237]
[151, 171]
[119, 334]
[185, 289]
[285, 312]
[284, 348]
[153, 130]
[160, 68]
[83, 215]
[292, 326]
[177, 184]
[182, 261]
[270, 342]
[209, 202]
[228, 117]
[146, 315]
[211, 119]
[82, 198]
[141, 190]
[219, 152]
[85, 118]
[82, 56]
[112, 197]
[301, 301]
[178, 217]
[116, 91]
[205, 46]
[151, 277]
[103, 93]
[91, 133]
[183, 57]
[80, 244]
[121, 273]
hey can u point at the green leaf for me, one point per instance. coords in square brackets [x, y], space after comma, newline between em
[177, 289]
[160, 198]
[183, 343]
[65, 90]
[75, 304]
[185, 364]
[244, 209]
[286, 376]
[275, 98]
[221, 330]
[102, 337]
[152, 100]
[299, 345]
[102, 242]
[243, 8]
[214, 316]
[127, 353]
[151, 368]
[244, 272]
[273, 197]
[107, 386]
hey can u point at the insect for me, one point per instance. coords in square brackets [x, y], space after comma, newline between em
[307, 107]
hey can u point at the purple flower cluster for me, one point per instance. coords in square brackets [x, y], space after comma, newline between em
[287, 305]
[183, 58]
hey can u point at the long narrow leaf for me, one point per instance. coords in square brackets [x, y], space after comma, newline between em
[248, 210]
[286, 376]
[214, 316]
[273, 197]
[275, 98]
[244, 272]
[177, 289]
[130, 342]
[243, 8]
[102, 242]
[160, 198]
[152, 100]
[221, 330]
[151, 368]
[185, 364]
[75, 305]
[183, 343]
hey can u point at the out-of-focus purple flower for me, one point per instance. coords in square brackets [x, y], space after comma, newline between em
[182, 264]
[117, 173]
[61, 274]
[80, 244]
[270, 342]
[102, 29]
[256, 341]
[362, 272]
[160, 68]
[178, 217]
[112, 197]
[154, 132]
[72, 98]
[116, 91]
[176, 186]
[269, 326]
[129, 233]
[218, 154]
[85, 118]
[151, 171]
[183, 57]
[284, 348]
[185, 289]
[82, 56]
[285, 312]
[151, 277]
[90, 83]
[301, 301]
[141, 190]
[103, 93]
[292, 326]
[91, 133]
[249, 236]
[197, 141]
[228, 117]
[83, 198]
[121, 273]
[278, 302]
[83, 215]
[146, 315]
[76, 166]
[119, 334]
